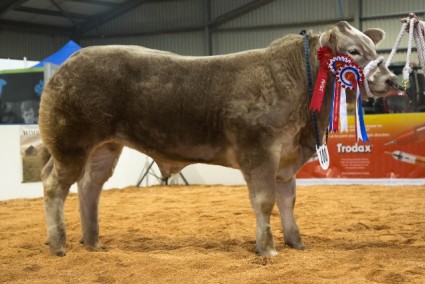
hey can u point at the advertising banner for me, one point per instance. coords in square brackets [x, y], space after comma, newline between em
[30, 153]
[396, 149]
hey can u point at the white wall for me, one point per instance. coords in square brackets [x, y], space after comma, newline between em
[128, 171]
[8, 64]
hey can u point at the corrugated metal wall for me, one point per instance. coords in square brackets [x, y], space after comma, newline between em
[157, 16]
[221, 7]
[262, 26]
[178, 26]
[382, 7]
[290, 12]
[175, 26]
[252, 30]
[235, 40]
[34, 46]
[187, 43]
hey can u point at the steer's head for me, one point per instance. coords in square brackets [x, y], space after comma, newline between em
[345, 39]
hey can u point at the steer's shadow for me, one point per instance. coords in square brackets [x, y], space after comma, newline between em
[160, 243]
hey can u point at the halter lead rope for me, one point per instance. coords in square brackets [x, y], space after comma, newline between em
[415, 33]
[420, 43]
[368, 72]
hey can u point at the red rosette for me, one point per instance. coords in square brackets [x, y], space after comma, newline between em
[350, 76]
[324, 54]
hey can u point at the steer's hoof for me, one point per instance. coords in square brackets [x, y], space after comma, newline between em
[92, 244]
[58, 252]
[293, 239]
[57, 248]
[267, 252]
[95, 247]
[295, 245]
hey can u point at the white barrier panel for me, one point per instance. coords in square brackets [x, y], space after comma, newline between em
[128, 172]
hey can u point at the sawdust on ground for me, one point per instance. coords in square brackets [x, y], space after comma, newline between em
[206, 234]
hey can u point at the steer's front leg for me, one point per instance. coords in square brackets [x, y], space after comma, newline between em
[262, 202]
[261, 183]
[286, 195]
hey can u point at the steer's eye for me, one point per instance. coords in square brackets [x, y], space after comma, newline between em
[353, 52]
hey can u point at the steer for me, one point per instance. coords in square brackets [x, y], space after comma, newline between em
[246, 110]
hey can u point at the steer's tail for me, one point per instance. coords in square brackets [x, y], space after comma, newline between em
[43, 156]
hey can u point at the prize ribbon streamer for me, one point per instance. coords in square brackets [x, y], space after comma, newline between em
[343, 112]
[332, 106]
[337, 101]
[360, 125]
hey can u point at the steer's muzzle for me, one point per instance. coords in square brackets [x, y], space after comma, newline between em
[394, 84]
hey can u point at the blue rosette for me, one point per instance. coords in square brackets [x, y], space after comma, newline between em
[350, 76]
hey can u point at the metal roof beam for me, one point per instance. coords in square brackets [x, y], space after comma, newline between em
[110, 15]
[7, 5]
[97, 2]
[240, 11]
[65, 13]
[51, 13]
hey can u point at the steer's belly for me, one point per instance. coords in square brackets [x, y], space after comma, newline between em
[181, 150]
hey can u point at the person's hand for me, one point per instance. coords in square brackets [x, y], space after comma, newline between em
[408, 18]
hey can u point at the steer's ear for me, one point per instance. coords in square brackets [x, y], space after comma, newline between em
[376, 35]
[328, 39]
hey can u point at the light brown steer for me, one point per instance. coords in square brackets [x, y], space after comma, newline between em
[246, 110]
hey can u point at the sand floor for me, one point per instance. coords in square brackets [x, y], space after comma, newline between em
[206, 234]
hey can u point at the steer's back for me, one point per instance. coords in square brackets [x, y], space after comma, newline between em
[151, 100]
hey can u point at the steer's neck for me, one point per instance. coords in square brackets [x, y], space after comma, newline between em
[287, 63]
[325, 111]
[324, 114]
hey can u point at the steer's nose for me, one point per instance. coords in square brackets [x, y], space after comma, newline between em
[394, 84]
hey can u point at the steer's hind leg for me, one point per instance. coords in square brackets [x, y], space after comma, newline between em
[98, 168]
[261, 184]
[57, 178]
[286, 195]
